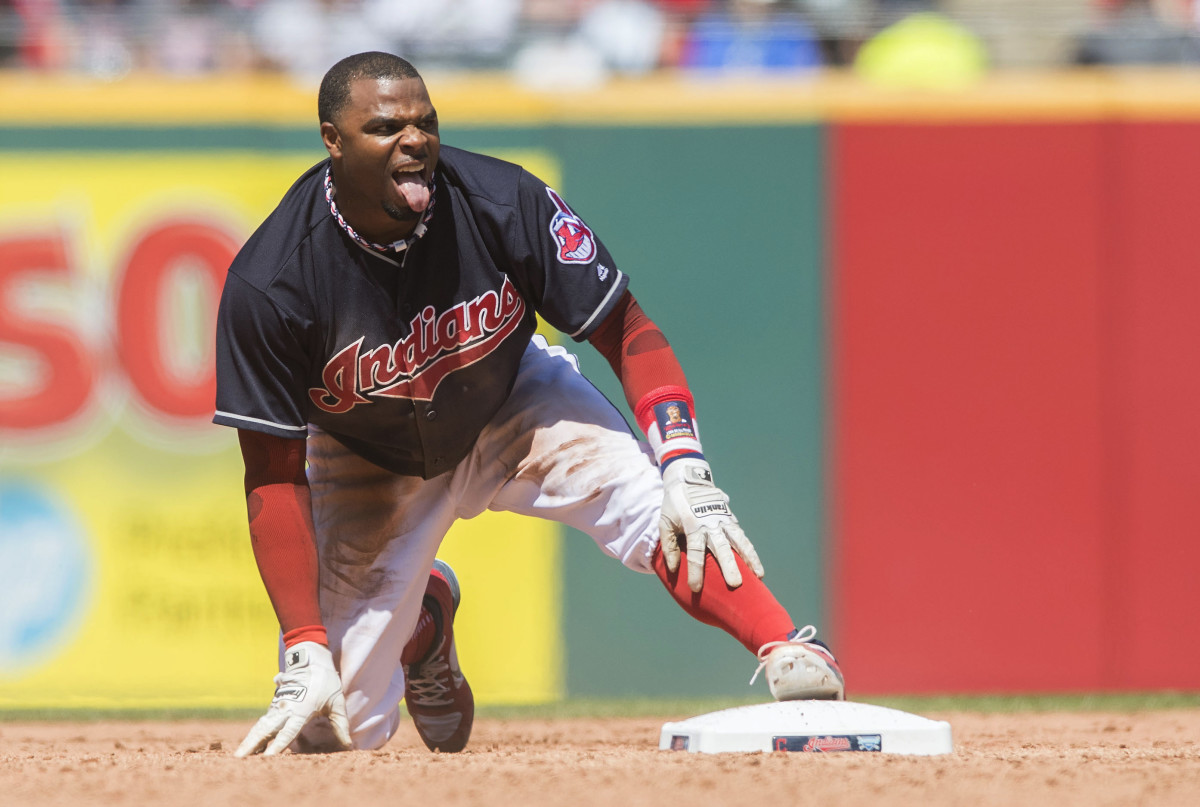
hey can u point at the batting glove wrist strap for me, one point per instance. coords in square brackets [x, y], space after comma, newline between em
[698, 511]
[308, 686]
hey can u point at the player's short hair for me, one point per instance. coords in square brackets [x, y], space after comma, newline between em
[335, 87]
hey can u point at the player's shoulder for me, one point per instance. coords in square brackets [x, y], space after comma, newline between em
[295, 221]
[482, 176]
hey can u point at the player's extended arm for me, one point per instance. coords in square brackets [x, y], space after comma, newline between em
[284, 542]
[656, 389]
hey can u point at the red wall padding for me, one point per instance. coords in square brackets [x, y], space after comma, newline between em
[1152, 340]
[1014, 381]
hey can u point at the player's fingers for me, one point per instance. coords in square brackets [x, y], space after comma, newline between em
[339, 722]
[737, 537]
[669, 545]
[260, 734]
[695, 574]
[252, 744]
[286, 734]
[696, 547]
[719, 544]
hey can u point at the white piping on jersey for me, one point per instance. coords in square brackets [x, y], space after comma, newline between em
[395, 246]
[261, 421]
[616, 285]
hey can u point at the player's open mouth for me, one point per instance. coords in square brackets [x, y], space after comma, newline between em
[412, 185]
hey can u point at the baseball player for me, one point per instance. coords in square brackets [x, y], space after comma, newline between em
[376, 353]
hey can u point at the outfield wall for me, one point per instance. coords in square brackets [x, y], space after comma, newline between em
[940, 346]
[1016, 374]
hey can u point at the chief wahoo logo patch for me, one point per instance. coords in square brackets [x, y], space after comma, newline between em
[576, 244]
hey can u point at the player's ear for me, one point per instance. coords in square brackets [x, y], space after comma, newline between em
[331, 138]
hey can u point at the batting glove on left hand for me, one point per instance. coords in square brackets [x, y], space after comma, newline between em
[697, 509]
[308, 686]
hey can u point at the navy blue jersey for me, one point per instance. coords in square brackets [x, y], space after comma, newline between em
[404, 356]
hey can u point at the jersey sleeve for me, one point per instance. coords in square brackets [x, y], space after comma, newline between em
[261, 364]
[573, 278]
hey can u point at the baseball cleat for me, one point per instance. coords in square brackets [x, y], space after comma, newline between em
[436, 694]
[801, 668]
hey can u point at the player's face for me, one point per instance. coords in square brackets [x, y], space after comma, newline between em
[384, 146]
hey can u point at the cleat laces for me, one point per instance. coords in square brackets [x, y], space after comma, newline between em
[805, 635]
[431, 687]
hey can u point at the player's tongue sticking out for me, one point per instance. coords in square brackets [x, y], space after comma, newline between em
[413, 188]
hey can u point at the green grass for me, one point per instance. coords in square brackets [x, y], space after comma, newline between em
[997, 704]
[1058, 702]
[94, 715]
[681, 707]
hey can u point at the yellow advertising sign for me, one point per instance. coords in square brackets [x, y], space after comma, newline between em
[126, 575]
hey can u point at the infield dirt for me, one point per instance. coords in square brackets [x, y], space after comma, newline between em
[1059, 759]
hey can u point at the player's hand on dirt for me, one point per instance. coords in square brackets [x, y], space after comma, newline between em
[698, 510]
[309, 686]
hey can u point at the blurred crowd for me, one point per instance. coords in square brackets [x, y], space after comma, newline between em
[570, 41]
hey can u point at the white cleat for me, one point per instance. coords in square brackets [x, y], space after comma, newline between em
[801, 669]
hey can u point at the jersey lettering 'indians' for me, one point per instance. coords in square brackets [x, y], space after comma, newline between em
[413, 367]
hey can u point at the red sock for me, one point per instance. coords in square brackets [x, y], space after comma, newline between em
[749, 613]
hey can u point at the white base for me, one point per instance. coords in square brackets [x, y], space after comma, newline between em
[809, 726]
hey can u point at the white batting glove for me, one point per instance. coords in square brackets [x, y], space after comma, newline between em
[308, 686]
[697, 509]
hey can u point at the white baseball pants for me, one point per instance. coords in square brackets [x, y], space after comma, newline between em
[557, 449]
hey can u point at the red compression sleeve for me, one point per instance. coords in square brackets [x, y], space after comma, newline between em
[281, 532]
[637, 351]
[653, 381]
